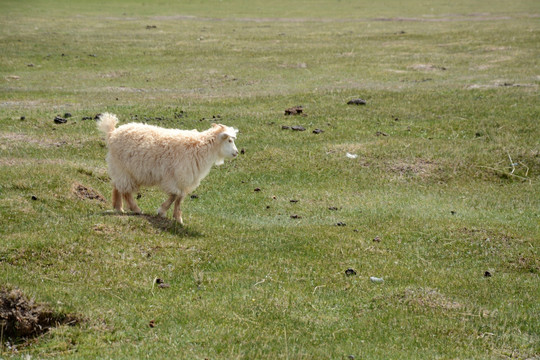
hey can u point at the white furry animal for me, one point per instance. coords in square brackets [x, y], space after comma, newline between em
[175, 160]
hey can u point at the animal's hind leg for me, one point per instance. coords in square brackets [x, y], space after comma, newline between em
[117, 200]
[177, 214]
[130, 202]
[162, 211]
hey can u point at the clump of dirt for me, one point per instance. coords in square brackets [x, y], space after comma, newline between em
[22, 318]
[83, 192]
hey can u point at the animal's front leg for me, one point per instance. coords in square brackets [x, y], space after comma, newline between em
[162, 211]
[117, 200]
[177, 211]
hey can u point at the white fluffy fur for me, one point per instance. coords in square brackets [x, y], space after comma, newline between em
[175, 160]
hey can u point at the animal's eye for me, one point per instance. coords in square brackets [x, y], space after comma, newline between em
[230, 140]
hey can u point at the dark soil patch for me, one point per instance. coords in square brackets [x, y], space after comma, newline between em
[23, 318]
[84, 193]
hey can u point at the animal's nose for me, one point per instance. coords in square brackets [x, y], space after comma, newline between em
[235, 154]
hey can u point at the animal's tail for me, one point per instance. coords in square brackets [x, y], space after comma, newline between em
[106, 124]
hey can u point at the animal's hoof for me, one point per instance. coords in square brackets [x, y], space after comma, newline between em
[161, 213]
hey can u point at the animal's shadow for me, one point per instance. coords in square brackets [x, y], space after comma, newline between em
[164, 224]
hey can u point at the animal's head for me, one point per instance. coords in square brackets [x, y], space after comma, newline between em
[226, 137]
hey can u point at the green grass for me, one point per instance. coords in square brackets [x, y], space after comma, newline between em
[453, 86]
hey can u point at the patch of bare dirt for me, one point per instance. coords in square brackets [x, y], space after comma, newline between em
[86, 193]
[23, 318]
[7, 139]
[445, 18]
[418, 167]
[427, 67]
[22, 103]
[427, 297]
[501, 84]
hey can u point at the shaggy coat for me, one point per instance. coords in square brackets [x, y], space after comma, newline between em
[175, 160]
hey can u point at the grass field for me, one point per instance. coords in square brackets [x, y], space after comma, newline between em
[442, 200]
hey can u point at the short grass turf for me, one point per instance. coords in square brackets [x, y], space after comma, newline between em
[442, 200]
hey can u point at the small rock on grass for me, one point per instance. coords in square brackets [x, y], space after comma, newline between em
[318, 131]
[298, 128]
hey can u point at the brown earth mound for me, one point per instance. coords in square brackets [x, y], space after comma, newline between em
[83, 192]
[22, 318]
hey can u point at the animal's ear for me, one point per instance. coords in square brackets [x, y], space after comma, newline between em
[224, 136]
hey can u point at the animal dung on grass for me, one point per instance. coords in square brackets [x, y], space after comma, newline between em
[162, 284]
[59, 120]
[350, 272]
[294, 127]
[175, 160]
[295, 110]
[357, 102]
